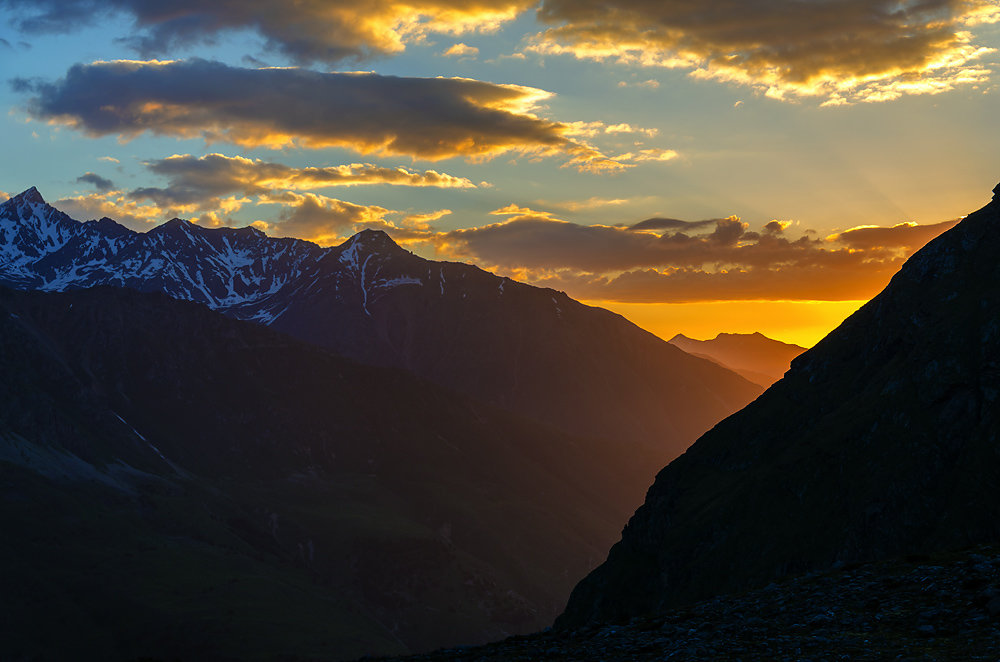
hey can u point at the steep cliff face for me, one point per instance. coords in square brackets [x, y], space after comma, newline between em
[881, 440]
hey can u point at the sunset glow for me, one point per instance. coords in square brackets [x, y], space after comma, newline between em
[652, 157]
[801, 323]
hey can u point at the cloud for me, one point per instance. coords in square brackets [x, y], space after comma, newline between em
[624, 127]
[461, 50]
[647, 155]
[821, 281]
[776, 226]
[428, 118]
[4, 196]
[669, 260]
[309, 216]
[844, 50]
[319, 218]
[651, 83]
[112, 204]
[310, 31]
[590, 203]
[421, 223]
[100, 183]
[109, 159]
[200, 180]
[672, 224]
[908, 236]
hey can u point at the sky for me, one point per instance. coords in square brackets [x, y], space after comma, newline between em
[721, 166]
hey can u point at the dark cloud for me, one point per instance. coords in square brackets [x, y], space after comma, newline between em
[672, 224]
[306, 31]
[909, 236]
[430, 118]
[846, 50]
[615, 263]
[535, 241]
[202, 180]
[775, 227]
[100, 183]
[4, 43]
[818, 281]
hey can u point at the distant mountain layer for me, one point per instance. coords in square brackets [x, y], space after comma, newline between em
[533, 351]
[753, 355]
[882, 440]
[180, 485]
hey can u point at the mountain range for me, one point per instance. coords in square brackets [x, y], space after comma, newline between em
[883, 440]
[533, 351]
[218, 443]
[760, 359]
[176, 484]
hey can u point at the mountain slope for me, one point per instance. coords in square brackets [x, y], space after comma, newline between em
[881, 440]
[177, 484]
[753, 355]
[940, 607]
[533, 351]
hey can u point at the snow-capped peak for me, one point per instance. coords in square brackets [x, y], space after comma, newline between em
[241, 271]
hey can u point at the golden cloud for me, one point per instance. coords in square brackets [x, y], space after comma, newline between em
[845, 50]
[203, 179]
[427, 118]
[461, 50]
[307, 31]
[320, 219]
[115, 205]
[590, 203]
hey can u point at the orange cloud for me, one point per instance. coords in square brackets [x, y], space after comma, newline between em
[668, 260]
[428, 118]
[844, 50]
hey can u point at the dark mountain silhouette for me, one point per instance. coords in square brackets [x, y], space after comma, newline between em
[533, 351]
[753, 355]
[881, 440]
[936, 607]
[176, 484]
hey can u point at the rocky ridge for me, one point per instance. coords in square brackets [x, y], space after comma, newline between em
[945, 607]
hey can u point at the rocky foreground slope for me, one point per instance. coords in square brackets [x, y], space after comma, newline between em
[882, 440]
[945, 607]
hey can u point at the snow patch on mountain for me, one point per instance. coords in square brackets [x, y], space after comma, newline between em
[242, 272]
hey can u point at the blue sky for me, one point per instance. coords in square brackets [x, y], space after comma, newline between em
[530, 138]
